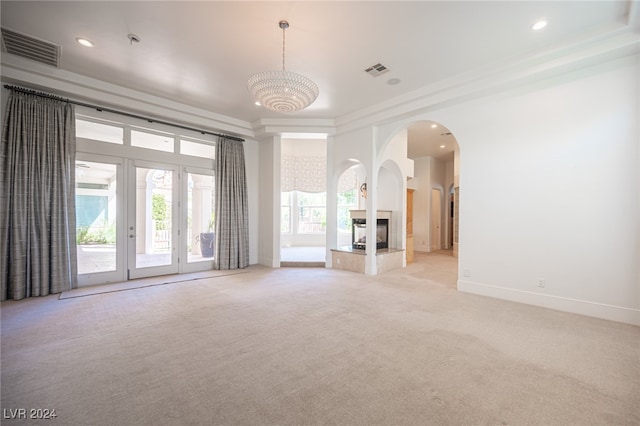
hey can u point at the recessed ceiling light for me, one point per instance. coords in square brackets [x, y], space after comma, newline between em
[257, 103]
[433, 126]
[84, 41]
[393, 81]
[442, 146]
[539, 25]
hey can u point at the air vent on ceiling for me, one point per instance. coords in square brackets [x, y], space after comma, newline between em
[30, 47]
[376, 70]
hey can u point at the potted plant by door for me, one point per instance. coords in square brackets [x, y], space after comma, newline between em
[207, 240]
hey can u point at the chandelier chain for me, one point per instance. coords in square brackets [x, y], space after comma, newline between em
[283, 30]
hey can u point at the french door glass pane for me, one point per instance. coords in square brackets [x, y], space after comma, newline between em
[96, 217]
[200, 217]
[154, 189]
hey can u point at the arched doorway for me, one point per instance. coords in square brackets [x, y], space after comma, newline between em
[435, 152]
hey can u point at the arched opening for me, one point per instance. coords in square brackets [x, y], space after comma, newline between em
[435, 189]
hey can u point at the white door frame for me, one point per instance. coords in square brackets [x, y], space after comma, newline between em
[133, 271]
[436, 219]
[119, 274]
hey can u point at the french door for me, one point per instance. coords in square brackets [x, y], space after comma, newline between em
[152, 219]
[138, 219]
[100, 224]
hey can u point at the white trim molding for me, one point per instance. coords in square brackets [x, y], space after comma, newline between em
[576, 306]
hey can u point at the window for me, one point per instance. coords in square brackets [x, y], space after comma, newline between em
[285, 213]
[312, 212]
[165, 195]
[96, 185]
[156, 141]
[101, 132]
[197, 149]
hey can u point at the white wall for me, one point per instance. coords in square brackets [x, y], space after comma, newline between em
[269, 202]
[387, 190]
[304, 147]
[388, 199]
[550, 190]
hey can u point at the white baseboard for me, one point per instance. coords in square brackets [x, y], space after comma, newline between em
[268, 261]
[583, 307]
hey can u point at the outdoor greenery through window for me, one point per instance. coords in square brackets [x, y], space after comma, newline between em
[311, 217]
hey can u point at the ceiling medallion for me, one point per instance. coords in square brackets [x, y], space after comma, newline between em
[282, 91]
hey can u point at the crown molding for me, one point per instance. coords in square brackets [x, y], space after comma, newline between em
[275, 126]
[19, 71]
[615, 42]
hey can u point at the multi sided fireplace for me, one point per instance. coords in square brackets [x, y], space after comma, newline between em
[359, 229]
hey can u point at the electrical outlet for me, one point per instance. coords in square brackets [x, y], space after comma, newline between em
[541, 282]
[338, 261]
[466, 272]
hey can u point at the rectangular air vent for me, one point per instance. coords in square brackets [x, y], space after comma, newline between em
[376, 70]
[30, 47]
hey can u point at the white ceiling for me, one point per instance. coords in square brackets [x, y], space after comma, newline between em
[202, 53]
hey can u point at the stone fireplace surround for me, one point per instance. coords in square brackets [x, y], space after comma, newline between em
[354, 259]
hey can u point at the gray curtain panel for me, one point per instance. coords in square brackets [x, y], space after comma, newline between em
[37, 197]
[232, 223]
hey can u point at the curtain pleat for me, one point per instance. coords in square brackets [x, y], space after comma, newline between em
[37, 194]
[232, 220]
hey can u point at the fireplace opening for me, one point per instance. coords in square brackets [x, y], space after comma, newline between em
[359, 234]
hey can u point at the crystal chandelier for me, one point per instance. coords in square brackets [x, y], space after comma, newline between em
[282, 91]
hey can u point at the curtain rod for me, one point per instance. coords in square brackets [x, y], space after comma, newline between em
[99, 108]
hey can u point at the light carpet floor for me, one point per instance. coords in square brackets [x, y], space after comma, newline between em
[145, 282]
[294, 346]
